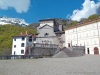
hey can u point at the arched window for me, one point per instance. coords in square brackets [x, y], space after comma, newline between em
[22, 51]
[30, 39]
[46, 34]
[23, 38]
[14, 39]
[22, 44]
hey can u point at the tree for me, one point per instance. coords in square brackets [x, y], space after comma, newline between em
[74, 23]
[94, 16]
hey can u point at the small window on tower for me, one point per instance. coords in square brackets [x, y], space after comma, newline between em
[15, 39]
[14, 46]
[23, 38]
[46, 34]
[30, 39]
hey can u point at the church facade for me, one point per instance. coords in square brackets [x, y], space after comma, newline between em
[48, 32]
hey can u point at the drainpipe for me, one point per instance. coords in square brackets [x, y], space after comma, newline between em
[77, 36]
[98, 32]
[26, 32]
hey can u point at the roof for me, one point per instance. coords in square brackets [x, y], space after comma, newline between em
[34, 35]
[25, 35]
[46, 25]
[83, 24]
[20, 35]
[60, 32]
[47, 20]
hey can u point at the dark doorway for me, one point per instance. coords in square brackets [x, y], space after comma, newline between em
[88, 51]
[14, 52]
[68, 44]
[96, 50]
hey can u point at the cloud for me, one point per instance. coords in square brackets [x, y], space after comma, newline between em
[19, 5]
[88, 8]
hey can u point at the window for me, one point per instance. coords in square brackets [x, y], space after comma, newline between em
[96, 42]
[22, 45]
[14, 46]
[30, 39]
[23, 38]
[46, 34]
[95, 32]
[34, 39]
[15, 39]
[22, 51]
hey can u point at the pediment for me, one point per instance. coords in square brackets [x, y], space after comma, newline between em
[46, 26]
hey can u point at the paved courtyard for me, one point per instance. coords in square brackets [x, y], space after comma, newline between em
[85, 65]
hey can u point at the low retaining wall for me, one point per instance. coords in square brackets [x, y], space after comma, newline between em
[3, 57]
[43, 51]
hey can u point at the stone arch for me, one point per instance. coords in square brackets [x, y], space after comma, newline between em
[96, 50]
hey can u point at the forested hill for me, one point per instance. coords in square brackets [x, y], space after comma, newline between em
[6, 33]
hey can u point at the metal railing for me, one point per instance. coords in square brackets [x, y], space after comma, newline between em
[45, 45]
[5, 57]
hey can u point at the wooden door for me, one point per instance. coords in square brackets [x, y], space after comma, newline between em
[96, 50]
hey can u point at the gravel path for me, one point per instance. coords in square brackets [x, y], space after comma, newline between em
[85, 65]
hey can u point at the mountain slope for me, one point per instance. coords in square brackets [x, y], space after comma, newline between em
[13, 21]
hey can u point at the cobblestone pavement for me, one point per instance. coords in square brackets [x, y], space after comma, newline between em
[85, 65]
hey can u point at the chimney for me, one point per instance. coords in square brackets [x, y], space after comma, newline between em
[21, 33]
[26, 32]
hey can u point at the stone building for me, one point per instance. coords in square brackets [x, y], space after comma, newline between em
[49, 32]
[21, 43]
[49, 35]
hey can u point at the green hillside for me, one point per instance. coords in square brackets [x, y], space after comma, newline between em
[6, 33]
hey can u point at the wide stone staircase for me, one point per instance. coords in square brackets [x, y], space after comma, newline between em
[56, 52]
[70, 52]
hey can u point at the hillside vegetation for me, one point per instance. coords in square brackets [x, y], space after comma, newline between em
[6, 33]
[68, 22]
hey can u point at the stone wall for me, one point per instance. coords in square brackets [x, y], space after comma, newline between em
[43, 51]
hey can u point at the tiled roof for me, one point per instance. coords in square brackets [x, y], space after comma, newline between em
[83, 24]
[47, 20]
[21, 35]
[24, 35]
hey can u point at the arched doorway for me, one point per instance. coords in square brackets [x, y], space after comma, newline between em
[96, 50]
